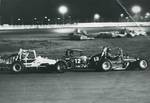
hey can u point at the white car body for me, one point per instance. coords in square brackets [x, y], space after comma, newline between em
[39, 61]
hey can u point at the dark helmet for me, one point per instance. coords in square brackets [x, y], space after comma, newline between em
[108, 49]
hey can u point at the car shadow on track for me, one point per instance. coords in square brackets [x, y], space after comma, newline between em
[55, 72]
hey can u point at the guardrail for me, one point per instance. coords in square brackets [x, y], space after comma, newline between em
[76, 25]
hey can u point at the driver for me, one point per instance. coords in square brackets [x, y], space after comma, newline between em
[109, 55]
[69, 53]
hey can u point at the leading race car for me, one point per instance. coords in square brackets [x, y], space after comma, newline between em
[26, 59]
[104, 61]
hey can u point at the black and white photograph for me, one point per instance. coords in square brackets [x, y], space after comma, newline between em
[74, 51]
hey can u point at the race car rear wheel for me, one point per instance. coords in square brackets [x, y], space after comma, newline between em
[17, 67]
[106, 66]
[143, 64]
[60, 67]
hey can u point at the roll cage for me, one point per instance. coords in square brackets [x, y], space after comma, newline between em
[112, 53]
[73, 53]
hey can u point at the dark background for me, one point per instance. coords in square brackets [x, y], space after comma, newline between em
[78, 9]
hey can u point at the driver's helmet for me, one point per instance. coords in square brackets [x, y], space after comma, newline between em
[108, 50]
[67, 53]
[71, 53]
[24, 55]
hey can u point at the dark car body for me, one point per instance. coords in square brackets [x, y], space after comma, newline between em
[75, 60]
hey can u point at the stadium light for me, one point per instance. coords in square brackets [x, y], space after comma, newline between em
[127, 19]
[58, 18]
[63, 10]
[18, 19]
[121, 15]
[136, 9]
[45, 17]
[147, 14]
[35, 18]
[96, 17]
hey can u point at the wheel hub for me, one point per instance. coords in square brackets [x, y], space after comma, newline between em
[143, 64]
[106, 66]
[17, 67]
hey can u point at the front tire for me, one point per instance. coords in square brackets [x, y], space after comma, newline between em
[60, 67]
[17, 67]
[143, 64]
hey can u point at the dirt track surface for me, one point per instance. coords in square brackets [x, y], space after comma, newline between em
[76, 87]
[54, 44]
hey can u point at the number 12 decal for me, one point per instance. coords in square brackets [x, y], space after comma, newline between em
[77, 61]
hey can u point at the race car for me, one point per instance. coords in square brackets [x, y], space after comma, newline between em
[104, 61]
[26, 59]
[116, 60]
[72, 60]
[123, 33]
[111, 34]
[80, 35]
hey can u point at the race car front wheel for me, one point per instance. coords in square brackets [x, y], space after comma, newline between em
[106, 66]
[60, 67]
[143, 64]
[17, 67]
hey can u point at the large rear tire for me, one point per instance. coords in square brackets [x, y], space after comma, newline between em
[17, 67]
[60, 67]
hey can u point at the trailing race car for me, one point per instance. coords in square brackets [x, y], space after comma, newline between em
[73, 59]
[26, 59]
[104, 61]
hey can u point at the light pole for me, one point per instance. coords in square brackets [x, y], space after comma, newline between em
[63, 10]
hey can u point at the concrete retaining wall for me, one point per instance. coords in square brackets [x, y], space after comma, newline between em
[77, 25]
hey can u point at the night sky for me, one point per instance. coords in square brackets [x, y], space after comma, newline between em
[81, 9]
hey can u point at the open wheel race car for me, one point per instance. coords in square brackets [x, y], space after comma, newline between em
[26, 59]
[104, 61]
[107, 60]
[80, 35]
[73, 59]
